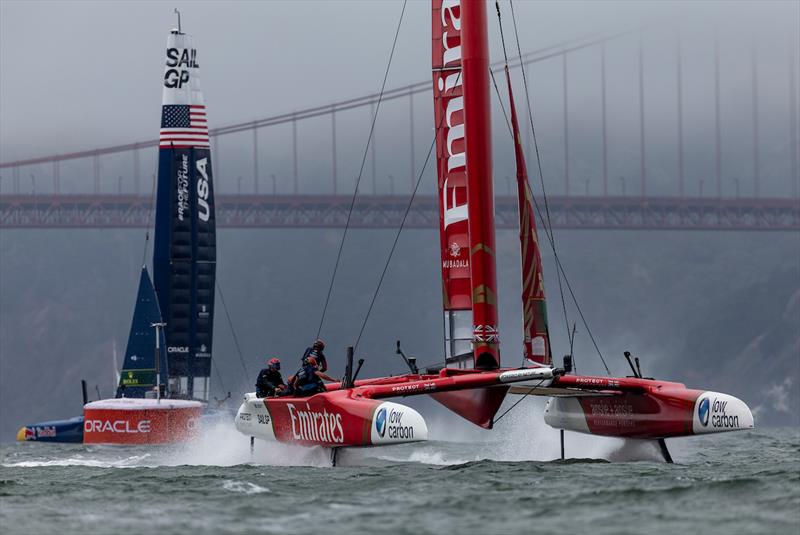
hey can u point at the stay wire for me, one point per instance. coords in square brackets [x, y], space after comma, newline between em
[361, 171]
[396, 239]
[549, 227]
[219, 375]
[529, 392]
[402, 225]
[548, 232]
[149, 216]
[511, 133]
[233, 332]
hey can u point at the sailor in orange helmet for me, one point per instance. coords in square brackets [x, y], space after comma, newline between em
[308, 379]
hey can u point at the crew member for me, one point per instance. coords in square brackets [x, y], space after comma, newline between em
[270, 382]
[308, 379]
[316, 351]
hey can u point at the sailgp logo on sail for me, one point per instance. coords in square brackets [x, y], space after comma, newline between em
[183, 187]
[180, 59]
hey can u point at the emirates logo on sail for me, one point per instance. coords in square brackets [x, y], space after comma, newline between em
[449, 85]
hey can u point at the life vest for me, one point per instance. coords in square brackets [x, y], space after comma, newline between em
[306, 379]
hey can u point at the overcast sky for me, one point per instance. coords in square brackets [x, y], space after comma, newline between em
[78, 75]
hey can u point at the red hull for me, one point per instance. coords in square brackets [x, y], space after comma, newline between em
[357, 417]
[331, 419]
[140, 421]
[642, 408]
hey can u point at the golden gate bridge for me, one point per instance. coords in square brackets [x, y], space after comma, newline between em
[51, 207]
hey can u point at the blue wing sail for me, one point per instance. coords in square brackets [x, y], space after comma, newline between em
[139, 370]
[184, 252]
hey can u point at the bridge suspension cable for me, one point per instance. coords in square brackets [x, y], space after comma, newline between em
[535, 56]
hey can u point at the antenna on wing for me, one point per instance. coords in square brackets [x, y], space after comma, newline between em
[179, 20]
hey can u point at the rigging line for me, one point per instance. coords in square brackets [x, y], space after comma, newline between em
[537, 385]
[502, 106]
[549, 231]
[149, 214]
[219, 375]
[549, 234]
[559, 268]
[583, 318]
[361, 170]
[233, 332]
[397, 236]
[402, 225]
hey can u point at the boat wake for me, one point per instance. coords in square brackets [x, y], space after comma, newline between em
[133, 461]
[243, 487]
[519, 437]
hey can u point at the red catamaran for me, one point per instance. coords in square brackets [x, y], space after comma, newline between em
[472, 383]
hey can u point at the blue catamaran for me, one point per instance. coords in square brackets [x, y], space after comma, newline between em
[168, 356]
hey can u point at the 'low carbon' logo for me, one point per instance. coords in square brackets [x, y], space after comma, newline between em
[703, 411]
[380, 422]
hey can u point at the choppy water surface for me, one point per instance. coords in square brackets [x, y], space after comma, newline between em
[737, 483]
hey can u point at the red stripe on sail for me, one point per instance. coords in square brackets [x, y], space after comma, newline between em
[534, 312]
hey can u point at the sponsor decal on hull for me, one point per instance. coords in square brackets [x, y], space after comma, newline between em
[715, 412]
[140, 426]
[323, 421]
[390, 424]
[394, 423]
[315, 426]
[116, 426]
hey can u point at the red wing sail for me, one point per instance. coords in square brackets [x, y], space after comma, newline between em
[451, 166]
[534, 311]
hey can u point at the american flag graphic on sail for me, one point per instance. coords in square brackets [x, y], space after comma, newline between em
[183, 126]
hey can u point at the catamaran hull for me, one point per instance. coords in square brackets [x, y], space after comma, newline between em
[140, 421]
[332, 419]
[70, 431]
[652, 415]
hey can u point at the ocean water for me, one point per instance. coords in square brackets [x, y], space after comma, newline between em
[504, 481]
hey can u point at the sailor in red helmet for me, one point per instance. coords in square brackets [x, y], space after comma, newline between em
[316, 351]
[308, 379]
[270, 381]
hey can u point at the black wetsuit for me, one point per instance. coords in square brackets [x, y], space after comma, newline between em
[307, 382]
[322, 363]
[268, 380]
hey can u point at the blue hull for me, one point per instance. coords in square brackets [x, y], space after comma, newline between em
[70, 430]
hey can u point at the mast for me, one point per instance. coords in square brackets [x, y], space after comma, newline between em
[478, 128]
[184, 252]
[448, 99]
[466, 201]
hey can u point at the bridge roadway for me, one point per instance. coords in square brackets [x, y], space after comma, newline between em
[385, 212]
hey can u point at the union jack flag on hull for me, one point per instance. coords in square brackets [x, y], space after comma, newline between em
[183, 126]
